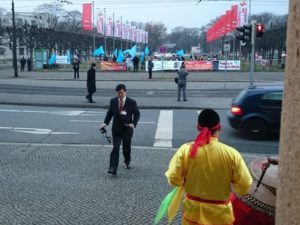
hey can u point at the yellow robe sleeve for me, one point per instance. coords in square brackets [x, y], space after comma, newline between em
[242, 179]
[177, 171]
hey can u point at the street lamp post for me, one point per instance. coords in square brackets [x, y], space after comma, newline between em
[14, 40]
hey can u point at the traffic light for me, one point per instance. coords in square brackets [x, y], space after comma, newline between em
[260, 28]
[244, 33]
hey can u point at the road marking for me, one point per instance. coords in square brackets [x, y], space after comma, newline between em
[150, 92]
[35, 130]
[60, 113]
[164, 131]
[85, 121]
[68, 113]
[7, 110]
[98, 121]
[6, 128]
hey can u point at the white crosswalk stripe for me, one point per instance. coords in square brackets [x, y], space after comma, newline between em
[164, 131]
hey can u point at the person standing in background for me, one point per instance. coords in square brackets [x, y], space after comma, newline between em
[29, 64]
[76, 68]
[136, 61]
[181, 85]
[150, 67]
[22, 62]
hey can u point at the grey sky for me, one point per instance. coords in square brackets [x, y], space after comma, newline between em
[172, 13]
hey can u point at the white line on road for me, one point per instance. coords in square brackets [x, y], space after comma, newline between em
[98, 121]
[85, 121]
[34, 130]
[60, 113]
[164, 131]
[6, 128]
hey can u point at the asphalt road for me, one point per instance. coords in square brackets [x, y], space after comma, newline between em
[72, 91]
[48, 125]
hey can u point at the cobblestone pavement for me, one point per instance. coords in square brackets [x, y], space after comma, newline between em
[69, 185]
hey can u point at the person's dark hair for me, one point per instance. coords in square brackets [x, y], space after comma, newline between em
[93, 64]
[119, 87]
[182, 65]
[208, 118]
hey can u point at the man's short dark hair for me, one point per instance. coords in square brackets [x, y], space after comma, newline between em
[119, 87]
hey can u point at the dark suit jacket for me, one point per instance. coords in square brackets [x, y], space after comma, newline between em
[120, 121]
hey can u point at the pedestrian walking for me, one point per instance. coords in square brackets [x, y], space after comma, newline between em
[150, 67]
[91, 83]
[207, 169]
[29, 64]
[22, 62]
[125, 114]
[76, 68]
[182, 81]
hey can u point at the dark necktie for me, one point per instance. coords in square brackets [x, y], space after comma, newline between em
[121, 105]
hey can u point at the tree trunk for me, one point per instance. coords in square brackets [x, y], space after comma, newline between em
[288, 193]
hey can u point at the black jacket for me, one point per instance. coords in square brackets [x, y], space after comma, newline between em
[91, 80]
[120, 121]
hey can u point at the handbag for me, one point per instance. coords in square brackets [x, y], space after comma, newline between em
[176, 80]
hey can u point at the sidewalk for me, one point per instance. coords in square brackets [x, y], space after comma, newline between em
[69, 185]
[106, 82]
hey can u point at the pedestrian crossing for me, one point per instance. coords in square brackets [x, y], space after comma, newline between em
[155, 128]
[162, 129]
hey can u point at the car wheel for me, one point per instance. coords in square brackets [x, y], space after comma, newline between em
[256, 129]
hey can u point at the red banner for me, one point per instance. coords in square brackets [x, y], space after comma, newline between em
[112, 66]
[198, 65]
[87, 16]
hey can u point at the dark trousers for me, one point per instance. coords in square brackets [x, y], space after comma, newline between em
[150, 74]
[76, 72]
[22, 68]
[89, 96]
[183, 88]
[118, 137]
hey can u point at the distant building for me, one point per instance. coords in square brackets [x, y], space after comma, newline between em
[20, 19]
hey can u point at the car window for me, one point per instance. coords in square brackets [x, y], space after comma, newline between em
[272, 99]
[240, 96]
[273, 96]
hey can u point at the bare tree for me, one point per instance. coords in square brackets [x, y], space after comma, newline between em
[71, 21]
[157, 35]
[185, 38]
[50, 13]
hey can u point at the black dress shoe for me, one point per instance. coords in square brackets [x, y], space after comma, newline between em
[178, 100]
[112, 172]
[185, 100]
[127, 167]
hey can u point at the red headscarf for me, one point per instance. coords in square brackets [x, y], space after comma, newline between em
[203, 138]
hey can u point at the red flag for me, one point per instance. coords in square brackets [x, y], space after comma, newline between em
[228, 21]
[87, 16]
[234, 14]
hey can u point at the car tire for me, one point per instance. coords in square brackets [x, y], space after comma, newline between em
[256, 129]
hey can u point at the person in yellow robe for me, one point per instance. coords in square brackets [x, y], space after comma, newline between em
[208, 170]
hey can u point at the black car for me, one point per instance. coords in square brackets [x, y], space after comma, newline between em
[257, 111]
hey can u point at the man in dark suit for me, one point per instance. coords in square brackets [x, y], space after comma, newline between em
[125, 115]
[91, 83]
